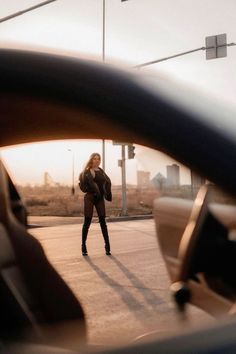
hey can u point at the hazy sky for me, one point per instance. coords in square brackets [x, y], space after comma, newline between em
[136, 31]
[27, 163]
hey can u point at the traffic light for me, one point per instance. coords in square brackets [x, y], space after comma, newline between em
[131, 152]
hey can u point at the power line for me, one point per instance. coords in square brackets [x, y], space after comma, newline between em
[19, 13]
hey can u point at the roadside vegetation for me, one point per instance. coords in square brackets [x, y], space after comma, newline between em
[59, 201]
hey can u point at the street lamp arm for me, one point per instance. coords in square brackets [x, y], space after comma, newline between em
[19, 13]
[231, 44]
[183, 53]
[167, 58]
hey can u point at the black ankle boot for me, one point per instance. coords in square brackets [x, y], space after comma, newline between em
[105, 235]
[87, 222]
[84, 249]
[107, 249]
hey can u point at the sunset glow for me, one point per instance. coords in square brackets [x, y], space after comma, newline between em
[27, 163]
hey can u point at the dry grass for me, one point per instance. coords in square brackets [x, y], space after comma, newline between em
[58, 201]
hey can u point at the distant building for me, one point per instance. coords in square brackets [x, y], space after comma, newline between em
[48, 181]
[196, 180]
[143, 178]
[159, 181]
[173, 176]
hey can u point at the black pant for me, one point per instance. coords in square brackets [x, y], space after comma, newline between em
[89, 203]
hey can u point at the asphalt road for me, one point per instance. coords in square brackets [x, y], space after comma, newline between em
[124, 295]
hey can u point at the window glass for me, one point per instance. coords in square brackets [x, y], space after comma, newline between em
[46, 175]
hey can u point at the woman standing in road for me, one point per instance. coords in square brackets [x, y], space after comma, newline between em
[96, 185]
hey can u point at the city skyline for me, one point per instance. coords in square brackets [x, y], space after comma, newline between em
[27, 163]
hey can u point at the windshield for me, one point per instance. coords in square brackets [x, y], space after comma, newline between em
[167, 45]
[134, 281]
[133, 32]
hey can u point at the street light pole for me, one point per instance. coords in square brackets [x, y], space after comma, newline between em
[103, 29]
[103, 59]
[73, 172]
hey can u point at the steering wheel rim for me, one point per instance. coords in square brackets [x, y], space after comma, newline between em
[192, 231]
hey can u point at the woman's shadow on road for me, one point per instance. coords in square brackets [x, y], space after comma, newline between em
[137, 307]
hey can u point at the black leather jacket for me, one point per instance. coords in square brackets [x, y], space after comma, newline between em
[87, 185]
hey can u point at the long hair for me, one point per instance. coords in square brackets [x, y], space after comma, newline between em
[89, 163]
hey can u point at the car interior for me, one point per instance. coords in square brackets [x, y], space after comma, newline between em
[45, 97]
[202, 231]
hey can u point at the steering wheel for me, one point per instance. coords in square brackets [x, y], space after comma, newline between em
[192, 231]
[189, 243]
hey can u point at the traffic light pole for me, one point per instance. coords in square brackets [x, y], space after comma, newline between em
[122, 164]
[123, 178]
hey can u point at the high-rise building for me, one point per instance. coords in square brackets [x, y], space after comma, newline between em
[143, 178]
[173, 176]
[159, 181]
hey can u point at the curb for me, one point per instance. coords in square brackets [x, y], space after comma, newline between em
[49, 223]
[129, 217]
